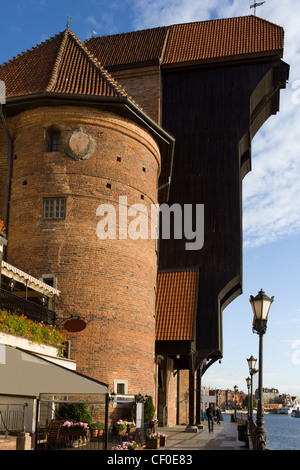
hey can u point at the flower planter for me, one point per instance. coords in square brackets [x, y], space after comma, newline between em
[28, 345]
[162, 441]
[74, 433]
[153, 425]
[94, 432]
[131, 430]
[118, 432]
[152, 443]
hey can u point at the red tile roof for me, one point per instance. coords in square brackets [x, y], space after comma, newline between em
[60, 65]
[176, 300]
[185, 43]
[221, 39]
[64, 65]
[129, 48]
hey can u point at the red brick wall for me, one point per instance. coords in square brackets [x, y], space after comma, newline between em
[184, 397]
[4, 150]
[110, 283]
[144, 85]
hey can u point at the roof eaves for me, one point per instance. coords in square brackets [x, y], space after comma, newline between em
[221, 60]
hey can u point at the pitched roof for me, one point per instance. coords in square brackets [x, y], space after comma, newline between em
[61, 64]
[176, 300]
[222, 39]
[129, 48]
[185, 43]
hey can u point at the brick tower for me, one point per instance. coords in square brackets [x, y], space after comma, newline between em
[79, 142]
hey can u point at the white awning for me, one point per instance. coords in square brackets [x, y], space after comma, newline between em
[20, 276]
[25, 374]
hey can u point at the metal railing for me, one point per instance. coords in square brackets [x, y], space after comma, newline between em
[257, 440]
[20, 306]
[51, 434]
[249, 432]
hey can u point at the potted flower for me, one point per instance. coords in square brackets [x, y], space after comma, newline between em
[119, 447]
[120, 427]
[153, 441]
[94, 430]
[153, 423]
[79, 429]
[162, 439]
[2, 228]
[101, 427]
[131, 426]
[132, 445]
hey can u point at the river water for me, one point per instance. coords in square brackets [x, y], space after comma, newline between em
[283, 432]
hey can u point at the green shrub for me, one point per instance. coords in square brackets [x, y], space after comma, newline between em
[149, 409]
[74, 411]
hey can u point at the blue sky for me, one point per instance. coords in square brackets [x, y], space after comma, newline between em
[271, 192]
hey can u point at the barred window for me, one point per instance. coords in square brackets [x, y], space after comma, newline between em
[55, 208]
[52, 139]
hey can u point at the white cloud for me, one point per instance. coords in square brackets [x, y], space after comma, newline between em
[166, 12]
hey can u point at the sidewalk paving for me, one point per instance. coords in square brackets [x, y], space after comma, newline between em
[224, 437]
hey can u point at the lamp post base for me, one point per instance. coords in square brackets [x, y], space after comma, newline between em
[260, 438]
[190, 428]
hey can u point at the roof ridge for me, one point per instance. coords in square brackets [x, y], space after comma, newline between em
[96, 63]
[227, 19]
[57, 62]
[183, 23]
[127, 32]
[91, 58]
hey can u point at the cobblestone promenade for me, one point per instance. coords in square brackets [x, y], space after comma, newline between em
[224, 437]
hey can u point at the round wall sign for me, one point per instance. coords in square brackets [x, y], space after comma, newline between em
[74, 325]
[80, 145]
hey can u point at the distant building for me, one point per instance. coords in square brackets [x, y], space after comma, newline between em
[270, 395]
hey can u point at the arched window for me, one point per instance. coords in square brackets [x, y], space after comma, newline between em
[52, 139]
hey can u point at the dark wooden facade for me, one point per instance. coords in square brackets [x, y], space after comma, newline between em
[214, 111]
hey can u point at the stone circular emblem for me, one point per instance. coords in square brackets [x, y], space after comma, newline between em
[80, 145]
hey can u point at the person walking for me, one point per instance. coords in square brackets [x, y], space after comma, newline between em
[210, 413]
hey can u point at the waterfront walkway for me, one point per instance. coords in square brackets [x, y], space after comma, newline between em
[224, 437]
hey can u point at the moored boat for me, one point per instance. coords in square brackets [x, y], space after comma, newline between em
[296, 413]
[288, 410]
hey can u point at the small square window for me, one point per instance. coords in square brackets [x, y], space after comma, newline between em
[54, 208]
[121, 389]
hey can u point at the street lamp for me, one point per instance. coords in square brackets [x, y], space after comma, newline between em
[251, 364]
[260, 305]
[235, 390]
[248, 382]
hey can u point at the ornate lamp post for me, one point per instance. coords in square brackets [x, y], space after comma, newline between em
[248, 382]
[260, 305]
[251, 364]
[235, 390]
